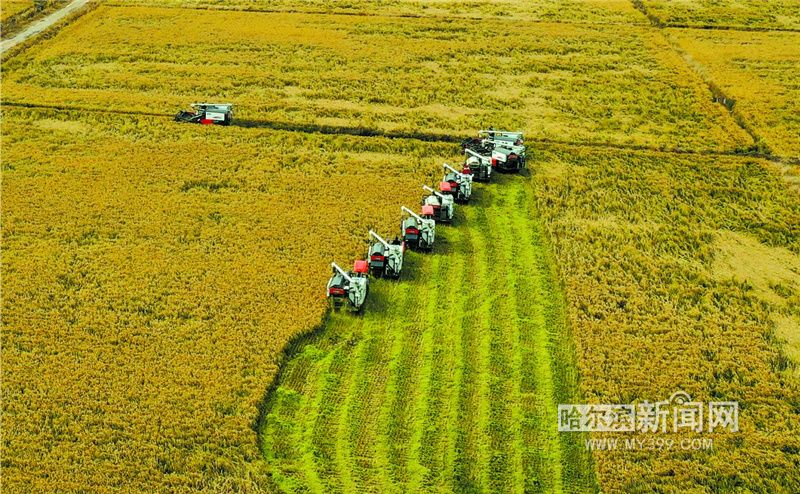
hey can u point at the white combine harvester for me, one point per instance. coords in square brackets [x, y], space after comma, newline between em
[207, 114]
[349, 289]
[479, 166]
[386, 259]
[460, 184]
[419, 232]
[504, 150]
[443, 205]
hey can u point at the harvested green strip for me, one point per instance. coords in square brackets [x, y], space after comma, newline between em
[437, 419]
[470, 469]
[447, 383]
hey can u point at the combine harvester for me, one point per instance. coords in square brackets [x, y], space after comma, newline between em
[477, 165]
[443, 204]
[349, 289]
[492, 149]
[504, 150]
[207, 114]
[419, 232]
[386, 259]
[459, 184]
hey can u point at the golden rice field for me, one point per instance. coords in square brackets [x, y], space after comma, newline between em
[591, 11]
[597, 83]
[754, 14]
[10, 8]
[757, 70]
[682, 274]
[164, 327]
[15, 15]
[140, 257]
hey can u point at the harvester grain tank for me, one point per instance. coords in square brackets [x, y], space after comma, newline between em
[207, 114]
[460, 184]
[349, 289]
[443, 205]
[418, 232]
[385, 258]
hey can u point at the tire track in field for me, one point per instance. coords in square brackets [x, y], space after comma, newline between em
[448, 383]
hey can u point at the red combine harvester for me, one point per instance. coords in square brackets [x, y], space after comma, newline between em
[459, 184]
[443, 204]
[480, 167]
[349, 289]
[386, 259]
[418, 231]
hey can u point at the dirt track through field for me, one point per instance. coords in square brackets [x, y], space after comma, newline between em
[447, 383]
[41, 25]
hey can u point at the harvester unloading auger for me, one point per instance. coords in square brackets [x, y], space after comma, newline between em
[419, 232]
[207, 114]
[349, 289]
[386, 259]
[460, 184]
[443, 205]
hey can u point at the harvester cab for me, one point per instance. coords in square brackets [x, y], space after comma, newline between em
[385, 259]
[478, 165]
[207, 114]
[507, 149]
[418, 231]
[443, 205]
[460, 184]
[349, 289]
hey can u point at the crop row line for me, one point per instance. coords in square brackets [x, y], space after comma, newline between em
[446, 384]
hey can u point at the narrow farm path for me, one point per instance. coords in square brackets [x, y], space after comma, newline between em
[41, 25]
[450, 380]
